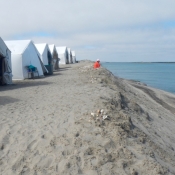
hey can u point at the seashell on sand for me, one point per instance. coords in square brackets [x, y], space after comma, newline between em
[105, 117]
[92, 114]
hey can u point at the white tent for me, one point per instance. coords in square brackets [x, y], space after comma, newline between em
[73, 57]
[23, 54]
[45, 53]
[54, 56]
[63, 54]
[69, 55]
[5, 64]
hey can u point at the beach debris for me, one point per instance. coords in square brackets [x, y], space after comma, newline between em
[100, 115]
[92, 79]
[97, 119]
[105, 117]
[98, 111]
[86, 68]
[101, 110]
[92, 114]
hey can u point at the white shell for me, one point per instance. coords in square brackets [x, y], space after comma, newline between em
[102, 111]
[93, 114]
[105, 117]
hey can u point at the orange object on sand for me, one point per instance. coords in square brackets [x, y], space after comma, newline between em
[96, 64]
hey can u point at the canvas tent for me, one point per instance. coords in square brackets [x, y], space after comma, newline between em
[23, 53]
[45, 56]
[73, 57]
[69, 55]
[54, 54]
[45, 53]
[63, 54]
[5, 64]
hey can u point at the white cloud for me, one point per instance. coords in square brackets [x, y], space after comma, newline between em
[113, 30]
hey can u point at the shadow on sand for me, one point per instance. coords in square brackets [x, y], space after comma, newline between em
[24, 84]
[63, 69]
[32, 82]
[53, 75]
[6, 100]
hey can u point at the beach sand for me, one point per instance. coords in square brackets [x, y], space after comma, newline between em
[46, 126]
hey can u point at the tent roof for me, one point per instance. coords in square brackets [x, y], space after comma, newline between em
[68, 49]
[73, 53]
[17, 46]
[52, 47]
[41, 47]
[61, 49]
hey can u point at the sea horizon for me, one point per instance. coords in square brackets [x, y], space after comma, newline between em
[134, 62]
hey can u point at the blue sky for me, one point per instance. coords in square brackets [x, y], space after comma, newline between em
[114, 30]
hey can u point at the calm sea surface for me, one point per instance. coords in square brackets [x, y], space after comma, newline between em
[158, 75]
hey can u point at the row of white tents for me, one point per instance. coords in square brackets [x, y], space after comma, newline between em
[17, 55]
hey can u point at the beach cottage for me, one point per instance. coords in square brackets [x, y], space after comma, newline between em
[63, 54]
[73, 57]
[45, 56]
[69, 55]
[55, 58]
[5, 64]
[23, 55]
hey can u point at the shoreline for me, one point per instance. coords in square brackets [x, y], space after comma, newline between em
[142, 82]
[47, 126]
[151, 91]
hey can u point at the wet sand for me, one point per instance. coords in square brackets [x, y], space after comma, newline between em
[47, 128]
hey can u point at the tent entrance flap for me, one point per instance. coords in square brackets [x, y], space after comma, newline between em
[55, 61]
[43, 67]
[49, 56]
[2, 67]
[5, 71]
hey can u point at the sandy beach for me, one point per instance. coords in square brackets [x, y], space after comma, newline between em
[46, 125]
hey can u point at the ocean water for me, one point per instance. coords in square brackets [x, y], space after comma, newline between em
[157, 75]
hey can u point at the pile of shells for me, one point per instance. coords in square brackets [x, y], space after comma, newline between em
[93, 80]
[100, 115]
[85, 68]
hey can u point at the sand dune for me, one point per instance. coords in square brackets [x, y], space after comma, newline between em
[47, 128]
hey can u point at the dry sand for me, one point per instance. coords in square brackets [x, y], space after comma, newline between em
[46, 127]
